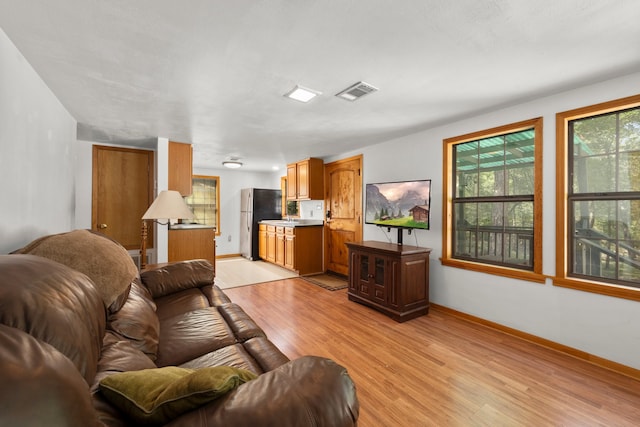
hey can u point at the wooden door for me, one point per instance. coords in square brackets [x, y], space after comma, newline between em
[343, 200]
[122, 192]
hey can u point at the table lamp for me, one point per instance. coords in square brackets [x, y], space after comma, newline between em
[169, 205]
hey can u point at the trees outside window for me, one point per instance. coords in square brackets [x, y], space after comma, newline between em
[599, 198]
[493, 201]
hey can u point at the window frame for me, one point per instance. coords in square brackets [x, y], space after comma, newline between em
[533, 275]
[562, 278]
[217, 181]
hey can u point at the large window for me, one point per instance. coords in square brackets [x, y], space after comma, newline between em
[204, 201]
[492, 201]
[599, 198]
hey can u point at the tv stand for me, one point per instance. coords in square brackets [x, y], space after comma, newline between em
[390, 278]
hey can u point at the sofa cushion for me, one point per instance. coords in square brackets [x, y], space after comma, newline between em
[54, 304]
[105, 261]
[180, 303]
[137, 320]
[178, 276]
[186, 336]
[156, 396]
[119, 355]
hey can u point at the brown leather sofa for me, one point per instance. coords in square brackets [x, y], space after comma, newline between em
[58, 340]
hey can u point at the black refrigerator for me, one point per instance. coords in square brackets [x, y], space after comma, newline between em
[256, 204]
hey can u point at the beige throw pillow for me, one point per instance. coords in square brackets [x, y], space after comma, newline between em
[106, 262]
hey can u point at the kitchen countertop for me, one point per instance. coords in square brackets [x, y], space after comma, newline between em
[293, 222]
[188, 226]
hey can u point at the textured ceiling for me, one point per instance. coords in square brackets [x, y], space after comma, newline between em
[213, 73]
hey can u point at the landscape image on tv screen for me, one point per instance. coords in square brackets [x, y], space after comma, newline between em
[403, 204]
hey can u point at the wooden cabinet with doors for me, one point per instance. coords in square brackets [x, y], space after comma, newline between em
[305, 180]
[296, 248]
[192, 243]
[393, 279]
[180, 167]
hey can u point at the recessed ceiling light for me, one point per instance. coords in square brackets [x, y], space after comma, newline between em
[302, 94]
[232, 164]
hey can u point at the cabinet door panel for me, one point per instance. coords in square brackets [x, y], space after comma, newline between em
[289, 251]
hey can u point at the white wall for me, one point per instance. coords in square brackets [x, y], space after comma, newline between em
[600, 325]
[231, 182]
[37, 189]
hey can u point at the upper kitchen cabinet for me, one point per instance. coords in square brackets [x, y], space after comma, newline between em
[305, 180]
[180, 167]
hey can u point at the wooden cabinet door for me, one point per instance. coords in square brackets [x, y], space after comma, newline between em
[197, 243]
[379, 279]
[271, 244]
[262, 241]
[292, 190]
[303, 179]
[290, 251]
[280, 246]
[363, 272]
[180, 167]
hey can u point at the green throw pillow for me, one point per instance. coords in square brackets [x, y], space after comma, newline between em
[156, 396]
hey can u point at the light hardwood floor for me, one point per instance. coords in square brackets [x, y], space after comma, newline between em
[439, 370]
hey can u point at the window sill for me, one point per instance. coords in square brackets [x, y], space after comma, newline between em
[512, 273]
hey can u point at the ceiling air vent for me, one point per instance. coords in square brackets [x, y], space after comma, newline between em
[356, 91]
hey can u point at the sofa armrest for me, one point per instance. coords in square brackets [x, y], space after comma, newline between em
[309, 391]
[178, 276]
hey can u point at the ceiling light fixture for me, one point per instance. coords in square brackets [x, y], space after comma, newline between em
[232, 164]
[356, 91]
[302, 94]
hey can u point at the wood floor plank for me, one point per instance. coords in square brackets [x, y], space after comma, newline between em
[439, 370]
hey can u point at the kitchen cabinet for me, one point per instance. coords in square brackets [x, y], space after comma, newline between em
[270, 250]
[391, 278]
[305, 180]
[290, 246]
[192, 243]
[262, 241]
[280, 248]
[297, 248]
[180, 167]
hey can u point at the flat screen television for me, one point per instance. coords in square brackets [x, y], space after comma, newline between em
[402, 204]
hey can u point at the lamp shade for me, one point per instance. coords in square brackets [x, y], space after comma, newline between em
[168, 205]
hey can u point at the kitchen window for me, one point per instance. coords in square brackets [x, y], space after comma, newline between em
[204, 201]
[492, 201]
[598, 198]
